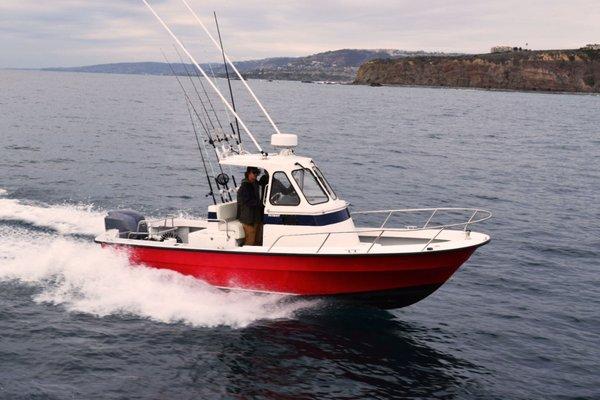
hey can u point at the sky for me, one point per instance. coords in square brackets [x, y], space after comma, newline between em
[36, 33]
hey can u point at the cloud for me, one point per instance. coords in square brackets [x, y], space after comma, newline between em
[76, 32]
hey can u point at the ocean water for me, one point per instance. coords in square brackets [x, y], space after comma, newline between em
[520, 320]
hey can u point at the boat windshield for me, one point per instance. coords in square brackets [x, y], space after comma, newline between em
[310, 187]
[282, 191]
[324, 182]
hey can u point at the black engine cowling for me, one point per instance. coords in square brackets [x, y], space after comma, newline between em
[128, 222]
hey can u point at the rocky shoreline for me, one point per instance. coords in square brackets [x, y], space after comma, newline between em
[547, 70]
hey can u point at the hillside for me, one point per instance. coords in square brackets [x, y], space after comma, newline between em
[545, 70]
[136, 68]
[338, 65]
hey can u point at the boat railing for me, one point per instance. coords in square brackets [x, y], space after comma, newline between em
[434, 211]
[149, 223]
[164, 220]
[227, 230]
[144, 234]
[164, 228]
[474, 218]
[172, 228]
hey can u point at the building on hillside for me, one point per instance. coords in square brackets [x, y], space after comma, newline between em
[591, 46]
[502, 49]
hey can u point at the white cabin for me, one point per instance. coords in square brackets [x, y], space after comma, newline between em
[297, 200]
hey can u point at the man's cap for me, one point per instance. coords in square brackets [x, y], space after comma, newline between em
[252, 169]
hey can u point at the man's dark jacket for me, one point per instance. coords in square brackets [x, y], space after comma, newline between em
[249, 206]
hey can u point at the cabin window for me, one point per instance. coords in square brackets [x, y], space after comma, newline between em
[310, 187]
[324, 183]
[282, 192]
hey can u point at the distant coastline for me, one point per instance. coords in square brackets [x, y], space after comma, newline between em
[334, 66]
[560, 71]
[543, 70]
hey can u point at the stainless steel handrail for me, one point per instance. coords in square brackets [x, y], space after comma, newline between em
[148, 223]
[160, 232]
[165, 219]
[432, 239]
[382, 229]
[434, 211]
[173, 227]
[221, 220]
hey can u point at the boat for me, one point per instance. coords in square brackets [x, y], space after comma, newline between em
[312, 244]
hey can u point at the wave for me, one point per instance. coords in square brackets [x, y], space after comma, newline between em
[64, 219]
[82, 277]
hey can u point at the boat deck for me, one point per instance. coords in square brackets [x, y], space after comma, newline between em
[371, 240]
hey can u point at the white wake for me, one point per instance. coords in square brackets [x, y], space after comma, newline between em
[65, 219]
[82, 277]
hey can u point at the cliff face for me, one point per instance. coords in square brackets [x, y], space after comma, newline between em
[559, 70]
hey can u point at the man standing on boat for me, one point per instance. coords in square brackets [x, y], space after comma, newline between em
[250, 208]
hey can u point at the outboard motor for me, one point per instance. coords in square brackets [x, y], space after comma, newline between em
[129, 223]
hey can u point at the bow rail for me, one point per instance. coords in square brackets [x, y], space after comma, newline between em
[474, 218]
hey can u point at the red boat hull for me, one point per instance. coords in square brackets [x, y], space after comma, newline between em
[389, 281]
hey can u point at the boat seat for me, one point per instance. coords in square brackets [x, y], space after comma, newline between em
[226, 211]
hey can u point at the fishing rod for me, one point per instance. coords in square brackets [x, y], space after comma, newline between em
[210, 140]
[211, 193]
[220, 181]
[209, 102]
[185, 94]
[217, 178]
[233, 67]
[195, 89]
[214, 111]
[228, 79]
[203, 89]
[227, 113]
[234, 135]
[215, 89]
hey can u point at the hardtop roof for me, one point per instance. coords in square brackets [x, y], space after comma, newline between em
[269, 162]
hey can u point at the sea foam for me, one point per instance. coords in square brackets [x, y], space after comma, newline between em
[64, 218]
[83, 277]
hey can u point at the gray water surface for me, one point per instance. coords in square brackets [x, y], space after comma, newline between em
[519, 320]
